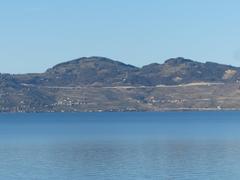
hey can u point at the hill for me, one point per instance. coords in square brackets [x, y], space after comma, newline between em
[102, 84]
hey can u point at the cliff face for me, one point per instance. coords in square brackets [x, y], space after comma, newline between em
[102, 84]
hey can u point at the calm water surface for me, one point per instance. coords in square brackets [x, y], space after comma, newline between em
[120, 146]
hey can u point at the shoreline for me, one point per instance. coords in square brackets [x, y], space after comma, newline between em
[165, 110]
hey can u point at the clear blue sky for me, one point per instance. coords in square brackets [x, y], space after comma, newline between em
[35, 35]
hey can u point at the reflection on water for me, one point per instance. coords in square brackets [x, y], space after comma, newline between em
[163, 146]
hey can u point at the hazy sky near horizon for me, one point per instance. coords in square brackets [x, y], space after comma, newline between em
[35, 35]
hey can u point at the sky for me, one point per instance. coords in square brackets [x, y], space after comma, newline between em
[35, 35]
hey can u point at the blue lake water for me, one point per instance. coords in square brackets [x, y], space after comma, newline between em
[120, 146]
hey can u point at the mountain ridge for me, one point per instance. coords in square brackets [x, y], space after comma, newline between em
[102, 84]
[105, 71]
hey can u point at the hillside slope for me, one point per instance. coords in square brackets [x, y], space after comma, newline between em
[102, 84]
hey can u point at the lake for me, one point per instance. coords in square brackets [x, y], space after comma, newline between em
[120, 146]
